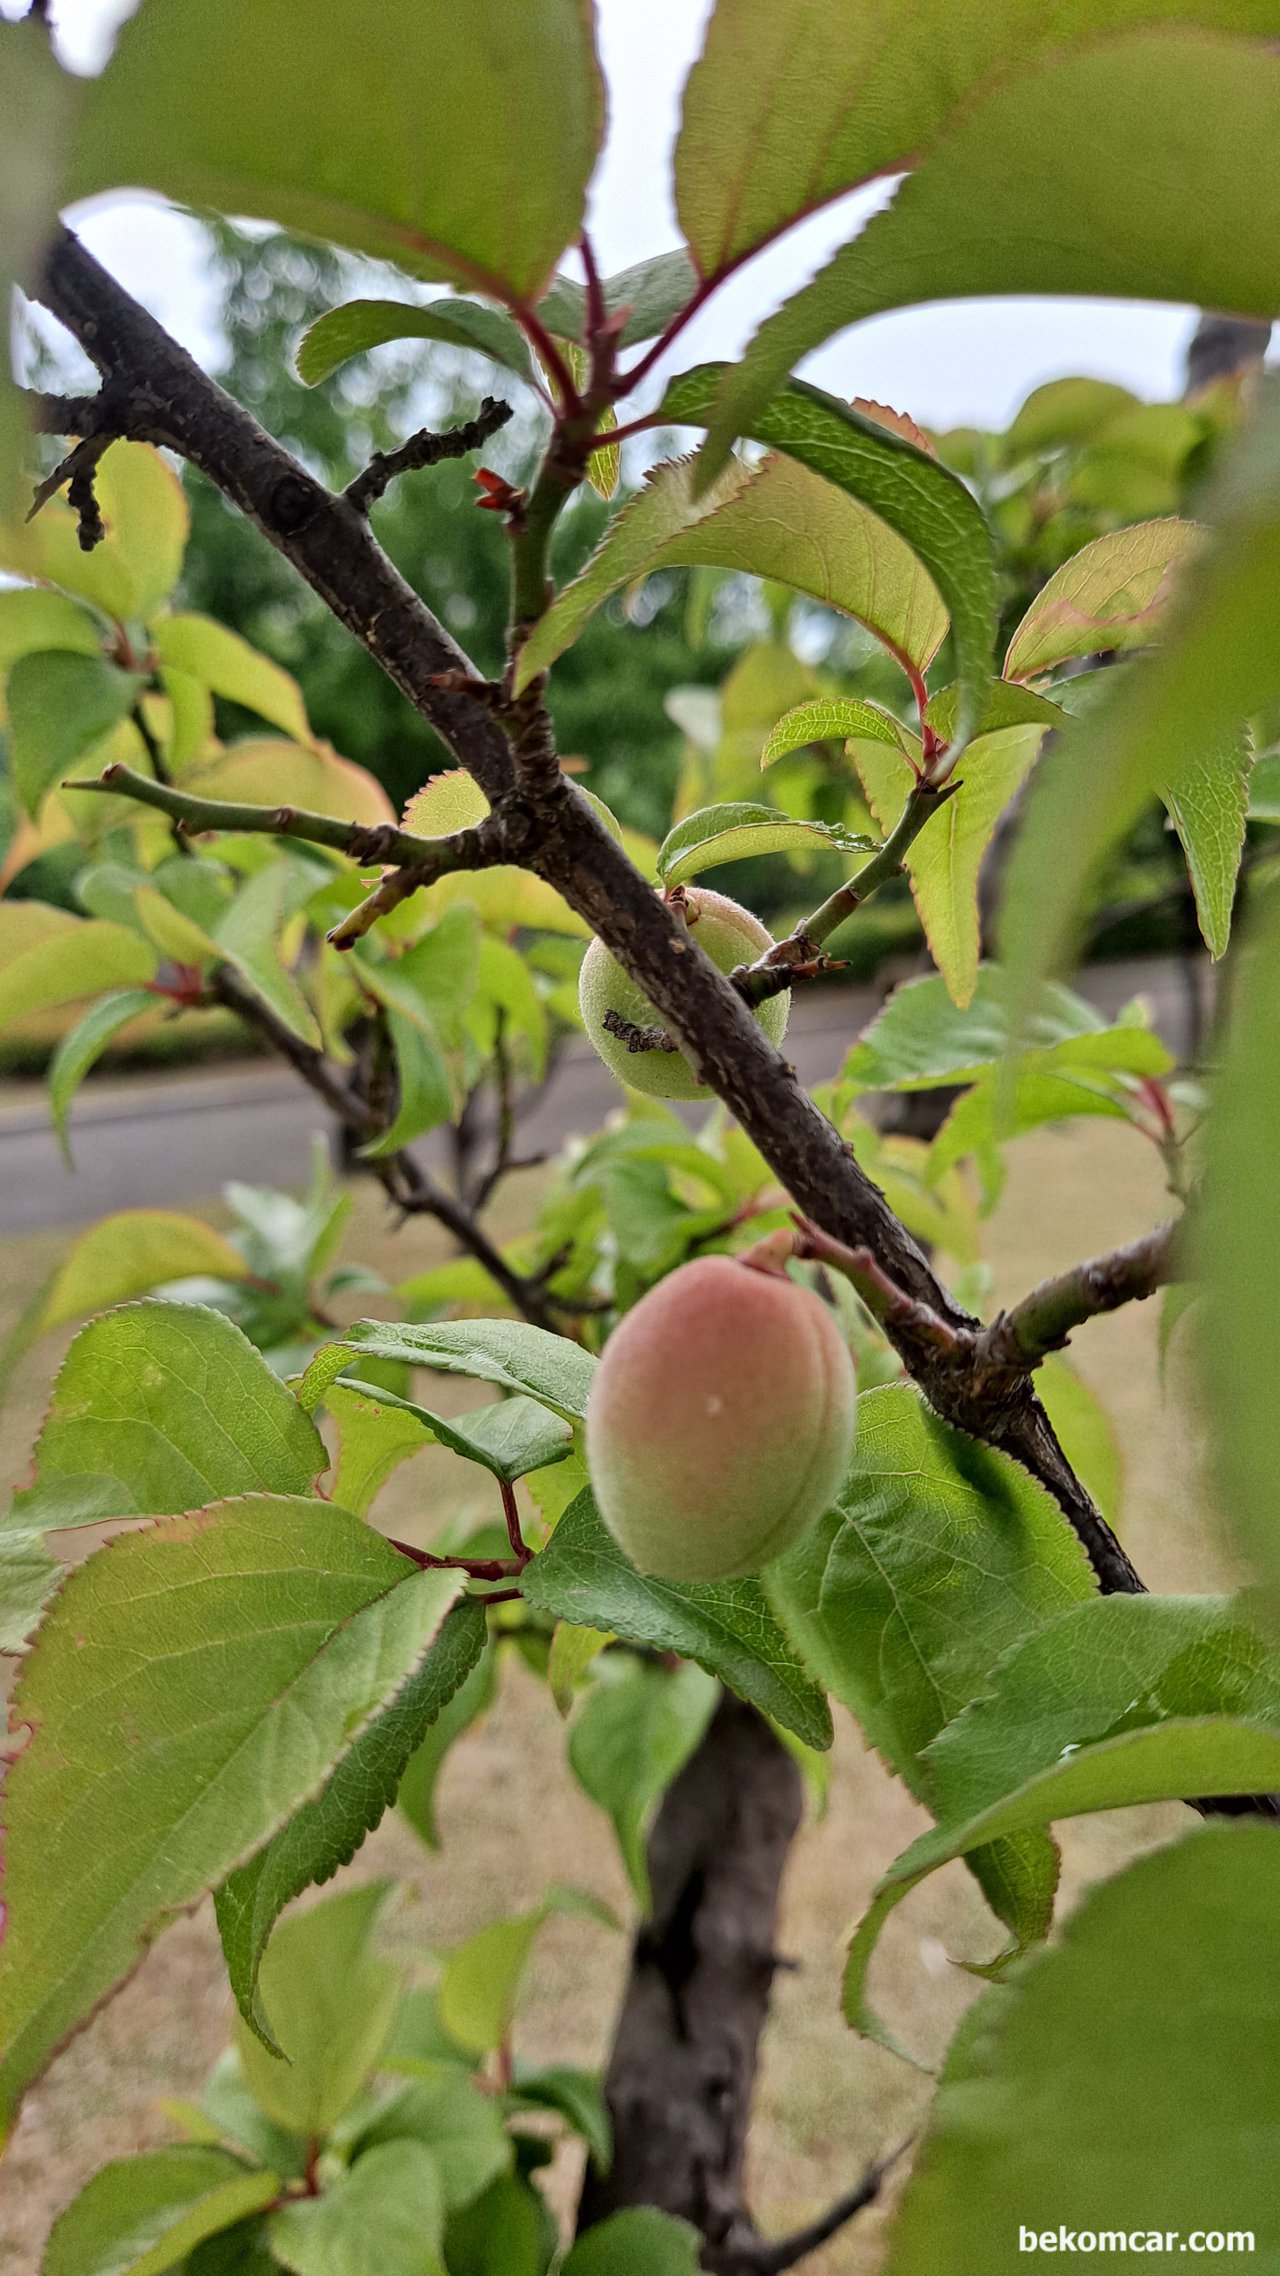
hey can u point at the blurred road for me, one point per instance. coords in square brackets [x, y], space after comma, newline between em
[151, 1140]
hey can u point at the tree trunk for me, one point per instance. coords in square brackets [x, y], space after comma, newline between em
[680, 2077]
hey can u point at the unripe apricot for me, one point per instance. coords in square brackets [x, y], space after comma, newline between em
[721, 1420]
[730, 935]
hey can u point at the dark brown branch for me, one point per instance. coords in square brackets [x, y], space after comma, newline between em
[159, 394]
[425, 449]
[754, 2255]
[552, 829]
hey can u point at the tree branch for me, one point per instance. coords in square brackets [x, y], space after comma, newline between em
[430, 858]
[1043, 1320]
[155, 392]
[754, 2255]
[160, 393]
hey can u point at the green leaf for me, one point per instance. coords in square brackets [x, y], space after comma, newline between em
[1264, 788]
[141, 2215]
[28, 1575]
[511, 2227]
[385, 2213]
[480, 1988]
[572, 1652]
[374, 1438]
[1113, 594]
[363, 324]
[83, 1046]
[794, 102]
[450, 801]
[736, 831]
[508, 1438]
[921, 1038]
[1158, 1762]
[327, 1832]
[654, 290]
[1087, 1074]
[638, 2242]
[461, 2126]
[135, 567]
[31, 617]
[911, 492]
[419, 2046]
[160, 1408]
[831, 719]
[434, 981]
[1219, 666]
[417, 1794]
[777, 521]
[247, 936]
[423, 1091]
[1111, 203]
[312, 118]
[507, 1352]
[506, 986]
[1145, 2044]
[1062, 412]
[941, 1555]
[636, 1731]
[577, 2097]
[1238, 1252]
[229, 2110]
[221, 660]
[330, 2003]
[80, 960]
[1004, 704]
[192, 1685]
[1208, 808]
[726, 1626]
[944, 861]
[1108, 1665]
[134, 1250]
[60, 704]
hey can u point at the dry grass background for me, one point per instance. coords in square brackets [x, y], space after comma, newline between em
[513, 1819]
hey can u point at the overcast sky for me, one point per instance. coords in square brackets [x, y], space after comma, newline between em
[971, 361]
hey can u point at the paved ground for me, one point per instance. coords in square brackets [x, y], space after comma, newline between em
[164, 1139]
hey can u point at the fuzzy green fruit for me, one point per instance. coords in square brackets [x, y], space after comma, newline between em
[721, 1421]
[730, 935]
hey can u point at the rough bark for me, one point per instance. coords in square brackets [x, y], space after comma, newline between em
[684, 2058]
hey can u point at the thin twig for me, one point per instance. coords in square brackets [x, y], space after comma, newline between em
[799, 955]
[425, 449]
[748, 2254]
[476, 1568]
[887, 1303]
[366, 843]
[519, 1548]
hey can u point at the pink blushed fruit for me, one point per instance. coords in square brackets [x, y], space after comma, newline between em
[721, 1421]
